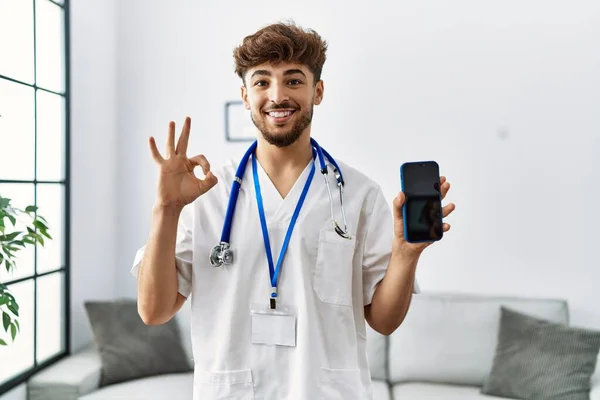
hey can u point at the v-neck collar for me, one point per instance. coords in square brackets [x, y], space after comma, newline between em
[279, 209]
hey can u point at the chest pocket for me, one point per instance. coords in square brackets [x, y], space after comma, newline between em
[333, 270]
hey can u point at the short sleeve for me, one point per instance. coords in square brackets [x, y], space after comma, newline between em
[378, 247]
[183, 253]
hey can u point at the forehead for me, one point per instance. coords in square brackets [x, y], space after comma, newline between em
[277, 70]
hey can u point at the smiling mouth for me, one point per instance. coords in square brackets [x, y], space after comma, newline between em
[280, 116]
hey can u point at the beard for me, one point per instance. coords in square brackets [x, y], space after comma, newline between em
[302, 120]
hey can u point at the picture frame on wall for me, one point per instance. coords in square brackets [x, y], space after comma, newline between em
[238, 124]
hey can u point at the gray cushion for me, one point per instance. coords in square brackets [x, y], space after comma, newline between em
[538, 359]
[130, 349]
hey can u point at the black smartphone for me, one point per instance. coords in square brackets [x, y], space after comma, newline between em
[422, 209]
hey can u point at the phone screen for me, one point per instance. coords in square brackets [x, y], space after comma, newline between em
[422, 209]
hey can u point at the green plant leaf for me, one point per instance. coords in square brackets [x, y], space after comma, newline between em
[14, 308]
[9, 237]
[30, 209]
[40, 225]
[4, 202]
[11, 298]
[13, 331]
[2, 342]
[12, 219]
[16, 322]
[36, 237]
[5, 320]
[3, 300]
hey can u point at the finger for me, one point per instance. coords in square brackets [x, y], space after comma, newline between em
[201, 161]
[208, 182]
[398, 203]
[154, 150]
[446, 227]
[171, 139]
[182, 143]
[444, 189]
[448, 209]
[438, 185]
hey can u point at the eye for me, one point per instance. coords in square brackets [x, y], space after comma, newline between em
[295, 82]
[260, 83]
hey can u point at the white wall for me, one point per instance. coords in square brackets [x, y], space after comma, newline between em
[94, 160]
[503, 94]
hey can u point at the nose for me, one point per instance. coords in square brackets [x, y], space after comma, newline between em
[278, 93]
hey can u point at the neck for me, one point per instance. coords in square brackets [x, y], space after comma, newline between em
[277, 161]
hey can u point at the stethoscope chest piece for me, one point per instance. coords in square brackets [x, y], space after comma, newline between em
[221, 254]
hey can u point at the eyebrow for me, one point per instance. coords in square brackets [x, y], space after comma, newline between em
[264, 72]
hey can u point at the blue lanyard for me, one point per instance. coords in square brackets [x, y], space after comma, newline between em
[274, 271]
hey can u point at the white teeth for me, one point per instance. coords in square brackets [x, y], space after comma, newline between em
[280, 114]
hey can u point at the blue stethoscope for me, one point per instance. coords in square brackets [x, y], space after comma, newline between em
[222, 253]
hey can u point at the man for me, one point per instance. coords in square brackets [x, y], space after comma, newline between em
[265, 327]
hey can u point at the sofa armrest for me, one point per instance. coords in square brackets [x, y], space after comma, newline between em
[68, 379]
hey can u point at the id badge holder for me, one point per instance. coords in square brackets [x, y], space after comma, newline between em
[273, 327]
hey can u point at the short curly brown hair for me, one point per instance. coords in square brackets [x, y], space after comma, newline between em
[281, 42]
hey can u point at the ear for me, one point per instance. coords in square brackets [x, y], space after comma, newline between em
[244, 94]
[319, 89]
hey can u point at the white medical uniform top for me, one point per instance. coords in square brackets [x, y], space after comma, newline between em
[327, 278]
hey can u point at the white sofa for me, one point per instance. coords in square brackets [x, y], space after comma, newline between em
[443, 350]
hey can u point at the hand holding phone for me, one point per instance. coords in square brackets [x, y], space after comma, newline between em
[422, 208]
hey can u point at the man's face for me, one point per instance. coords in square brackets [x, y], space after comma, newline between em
[281, 99]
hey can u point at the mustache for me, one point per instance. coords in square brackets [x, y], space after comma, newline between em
[285, 106]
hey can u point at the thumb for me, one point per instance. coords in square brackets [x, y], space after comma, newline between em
[398, 203]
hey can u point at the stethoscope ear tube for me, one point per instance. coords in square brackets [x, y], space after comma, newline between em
[340, 183]
[221, 253]
[235, 190]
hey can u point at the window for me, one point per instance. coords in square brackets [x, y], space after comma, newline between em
[34, 169]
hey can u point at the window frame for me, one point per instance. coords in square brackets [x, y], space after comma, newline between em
[65, 269]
